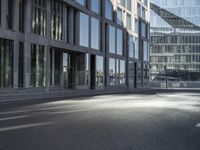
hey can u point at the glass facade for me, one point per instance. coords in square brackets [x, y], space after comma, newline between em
[95, 33]
[84, 32]
[99, 71]
[39, 17]
[119, 42]
[21, 65]
[112, 44]
[69, 46]
[96, 5]
[6, 63]
[174, 54]
[82, 2]
[21, 14]
[108, 10]
[37, 65]
[57, 20]
[10, 4]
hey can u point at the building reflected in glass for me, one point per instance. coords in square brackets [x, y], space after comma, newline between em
[175, 43]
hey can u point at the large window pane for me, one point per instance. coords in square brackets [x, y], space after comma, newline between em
[21, 15]
[136, 48]
[37, 65]
[21, 65]
[95, 5]
[112, 39]
[112, 72]
[82, 2]
[109, 10]
[95, 33]
[119, 16]
[84, 30]
[99, 71]
[57, 20]
[10, 14]
[6, 63]
[39, 17]
[122, 74]
[119, 42]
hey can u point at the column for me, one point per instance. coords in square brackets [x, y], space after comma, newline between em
[27, 45]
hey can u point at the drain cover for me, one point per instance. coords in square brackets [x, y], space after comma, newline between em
[197, 125]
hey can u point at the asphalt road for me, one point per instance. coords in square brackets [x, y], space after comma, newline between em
[153, 121]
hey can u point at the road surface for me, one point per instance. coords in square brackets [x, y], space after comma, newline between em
[153, 121]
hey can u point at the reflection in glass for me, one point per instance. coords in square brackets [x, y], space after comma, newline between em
[6, 63]
[99, 71]
[111, 39]
[84, 30]
[37, 65]
[112, 72]
[95, 33]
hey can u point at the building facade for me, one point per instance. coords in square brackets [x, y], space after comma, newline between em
[74, 44]
[175, 46]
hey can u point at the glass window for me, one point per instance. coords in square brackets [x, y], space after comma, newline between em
[129, 4]
[119, 16]
[146, 51]
[109, 10]
[84, 30]
[143, 29]
[6, 63]
[95, 5]
[112, 72]
[128, 21]
[111, 39]
[123, 2]
[21, 65]
[99, 71]
[82, 2]
[131, 46]
[95, 33]
[37, 65]
[136, 48]
[139, 9]
[122, 74]
[56, 20]
[39, 17]
[136, 26]
[10, 14]
[119, 42]
[21, 15]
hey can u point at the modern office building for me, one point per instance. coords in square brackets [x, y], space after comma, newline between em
[175, 42]
[54, 45]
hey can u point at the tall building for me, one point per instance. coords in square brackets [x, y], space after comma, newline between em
[175, 42]
[74, 44]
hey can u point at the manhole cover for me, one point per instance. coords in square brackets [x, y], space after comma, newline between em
[197, 125]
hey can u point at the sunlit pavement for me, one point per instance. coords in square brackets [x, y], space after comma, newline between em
[153, 121]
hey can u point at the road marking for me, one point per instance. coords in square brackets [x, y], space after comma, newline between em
[197, 125]
[12, 118]
[24, 126]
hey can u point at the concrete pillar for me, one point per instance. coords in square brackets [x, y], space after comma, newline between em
[70, 31]
[27, 44]
[16, 43]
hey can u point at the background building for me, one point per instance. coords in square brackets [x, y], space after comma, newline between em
[79, 44]
[175, 43]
